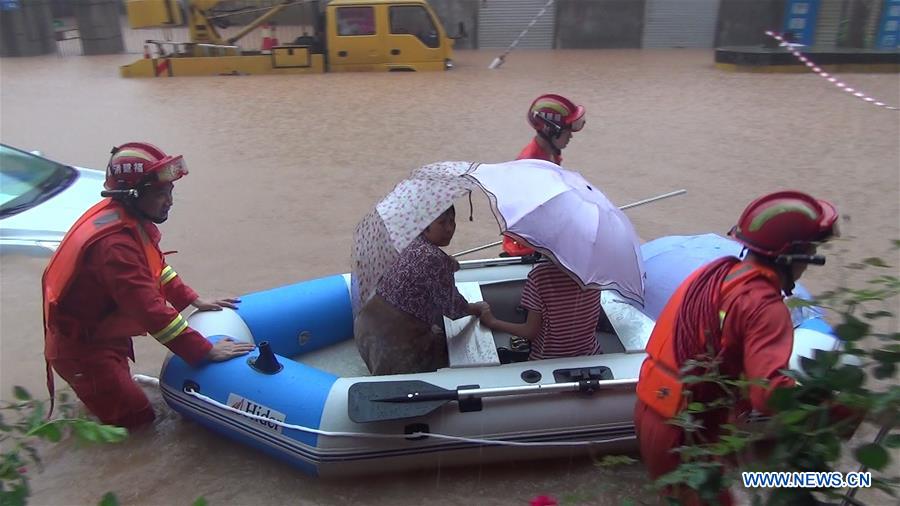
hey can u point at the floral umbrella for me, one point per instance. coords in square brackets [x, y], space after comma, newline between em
[398, 218]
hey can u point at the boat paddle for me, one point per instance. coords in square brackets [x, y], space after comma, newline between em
[377, 401]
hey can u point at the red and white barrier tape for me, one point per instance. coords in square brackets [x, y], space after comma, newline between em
[830, 78]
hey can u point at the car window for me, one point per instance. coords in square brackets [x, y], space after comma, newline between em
[28, 179]
[356, 21]
[414, 20]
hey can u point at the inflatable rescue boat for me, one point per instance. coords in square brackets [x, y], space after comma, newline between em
[305, 396]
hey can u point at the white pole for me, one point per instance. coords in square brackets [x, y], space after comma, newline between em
[502, 58]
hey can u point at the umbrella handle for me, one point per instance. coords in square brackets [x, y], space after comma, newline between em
[626, 206]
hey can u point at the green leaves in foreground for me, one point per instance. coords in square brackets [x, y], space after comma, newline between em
[23, 423]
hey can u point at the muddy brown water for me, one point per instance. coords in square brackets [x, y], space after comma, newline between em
[282, 168]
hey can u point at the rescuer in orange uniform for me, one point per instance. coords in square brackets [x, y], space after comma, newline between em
[555, 119]
[108, 281]
[736, 308]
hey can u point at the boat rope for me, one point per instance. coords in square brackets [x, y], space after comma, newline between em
[141, 378]
[502, 58]
[830, 78]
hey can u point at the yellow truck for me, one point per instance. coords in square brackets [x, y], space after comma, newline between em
[350, 35]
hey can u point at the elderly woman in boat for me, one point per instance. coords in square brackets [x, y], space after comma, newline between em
[400, 329]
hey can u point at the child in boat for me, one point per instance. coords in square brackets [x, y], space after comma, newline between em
[562, 316]
[400, 330]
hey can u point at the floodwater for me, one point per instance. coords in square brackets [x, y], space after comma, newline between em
[282, 168]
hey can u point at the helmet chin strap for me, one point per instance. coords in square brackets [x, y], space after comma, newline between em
[784, 264]
[129, 199]
[787, 279]
[556, 151]
[547, 137]
[158, 221]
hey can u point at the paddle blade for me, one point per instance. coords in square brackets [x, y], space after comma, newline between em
[376, 401]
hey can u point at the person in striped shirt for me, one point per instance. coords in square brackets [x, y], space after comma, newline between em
[562, 316]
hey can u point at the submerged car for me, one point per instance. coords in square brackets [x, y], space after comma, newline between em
[40, 200]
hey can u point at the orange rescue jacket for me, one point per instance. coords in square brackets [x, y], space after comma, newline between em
[659, 385]
[104, 218]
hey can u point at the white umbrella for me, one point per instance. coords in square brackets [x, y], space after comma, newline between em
[566, 218]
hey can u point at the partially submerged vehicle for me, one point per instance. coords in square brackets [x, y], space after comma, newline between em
[349, 35]
[40, 199]
[490, 405]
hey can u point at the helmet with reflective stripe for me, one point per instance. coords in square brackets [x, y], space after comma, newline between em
[138, 164]
[783, 222]
[551, 114]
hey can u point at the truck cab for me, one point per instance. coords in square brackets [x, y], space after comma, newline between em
[392, 35]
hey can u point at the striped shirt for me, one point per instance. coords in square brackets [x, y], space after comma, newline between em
[569, 314]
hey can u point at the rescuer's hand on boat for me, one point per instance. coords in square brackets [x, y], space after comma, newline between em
[228, 348]
[202, 305]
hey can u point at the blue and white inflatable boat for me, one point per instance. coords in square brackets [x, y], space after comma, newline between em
[342, 421]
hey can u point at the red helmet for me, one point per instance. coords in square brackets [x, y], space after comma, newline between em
[136, 164]
[775, 224]
[551, 114]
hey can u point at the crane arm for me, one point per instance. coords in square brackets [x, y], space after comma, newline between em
[200, 16]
